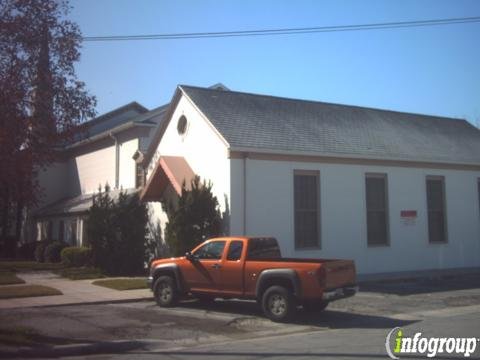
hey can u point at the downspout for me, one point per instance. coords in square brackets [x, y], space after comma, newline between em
[245, 156]
[117, 160]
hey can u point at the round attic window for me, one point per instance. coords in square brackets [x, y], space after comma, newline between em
[182, 125]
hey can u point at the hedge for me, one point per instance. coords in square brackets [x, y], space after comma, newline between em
[52, 251]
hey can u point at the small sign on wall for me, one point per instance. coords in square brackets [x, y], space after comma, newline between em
[408, 217]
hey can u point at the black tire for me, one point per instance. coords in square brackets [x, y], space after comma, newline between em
[278, 303]
[165, 291]
[315, 306]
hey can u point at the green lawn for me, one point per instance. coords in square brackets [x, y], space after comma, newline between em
[123, 284]
[9, 278]
[10, 292]
[16, 266]
[80, 273]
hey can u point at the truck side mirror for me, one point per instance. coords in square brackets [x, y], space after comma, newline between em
[189, 256]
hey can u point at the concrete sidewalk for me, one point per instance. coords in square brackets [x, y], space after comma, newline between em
[74, 292]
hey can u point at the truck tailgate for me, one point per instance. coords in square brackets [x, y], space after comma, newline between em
[339, 273]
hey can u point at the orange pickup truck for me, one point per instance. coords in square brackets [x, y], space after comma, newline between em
[252, 268]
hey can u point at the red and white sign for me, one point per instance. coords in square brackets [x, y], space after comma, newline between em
[408, 217]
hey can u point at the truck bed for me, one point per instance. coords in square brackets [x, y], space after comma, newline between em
[338, 272]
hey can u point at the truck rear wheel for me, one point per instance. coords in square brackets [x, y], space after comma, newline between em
[165, 291]
[278, 303]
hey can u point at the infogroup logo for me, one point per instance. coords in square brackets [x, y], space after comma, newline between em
[396, 344]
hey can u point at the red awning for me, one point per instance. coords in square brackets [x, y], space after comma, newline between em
[172, 170]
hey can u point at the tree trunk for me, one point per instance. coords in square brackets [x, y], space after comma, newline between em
[18, 227]
[5, 221]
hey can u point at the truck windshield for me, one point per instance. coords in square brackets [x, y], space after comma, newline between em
[263, 248]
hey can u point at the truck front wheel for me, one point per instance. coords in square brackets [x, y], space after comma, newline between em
[278, 303]
[165, 291]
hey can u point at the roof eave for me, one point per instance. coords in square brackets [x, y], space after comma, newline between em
[161, 129]
[107, 133]
[342, 157]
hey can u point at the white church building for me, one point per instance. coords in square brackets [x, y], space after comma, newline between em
[393, 191]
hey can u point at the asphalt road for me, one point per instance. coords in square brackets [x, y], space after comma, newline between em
[349, 329]
[348, 343]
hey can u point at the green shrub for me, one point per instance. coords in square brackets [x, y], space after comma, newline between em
[117, 232]
[194, 219]
[39, 253]
[76, 256]
[52, 251]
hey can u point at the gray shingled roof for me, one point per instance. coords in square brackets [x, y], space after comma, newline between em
[76, 204]
[299, 126]
[114, 118]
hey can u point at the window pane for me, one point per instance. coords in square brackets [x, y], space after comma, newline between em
[306, 219]
[436, 231]
[376, 227]
[212, 250]
[435, 194]
[306, 228]
[377, 214]
[376, 193]
[305, 192]
[235, 250]
[436, 210]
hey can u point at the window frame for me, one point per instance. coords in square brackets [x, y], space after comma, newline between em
[316, 174]
[444, 209]
[384, 176]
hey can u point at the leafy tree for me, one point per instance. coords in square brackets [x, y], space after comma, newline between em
[41, 101]
[194, 219]
[117, 233]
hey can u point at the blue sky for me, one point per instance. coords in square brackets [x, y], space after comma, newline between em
[429, 70]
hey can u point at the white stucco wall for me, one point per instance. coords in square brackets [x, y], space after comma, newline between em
[95, 168]
[201, 147]
[127, 164]
[343, 216]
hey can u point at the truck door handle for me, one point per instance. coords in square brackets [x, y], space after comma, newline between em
[216, 266]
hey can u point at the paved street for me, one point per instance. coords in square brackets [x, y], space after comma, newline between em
[352, 328]
[357, 342]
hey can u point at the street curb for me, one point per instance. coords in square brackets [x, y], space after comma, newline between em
[107, 347]
[100, 302]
